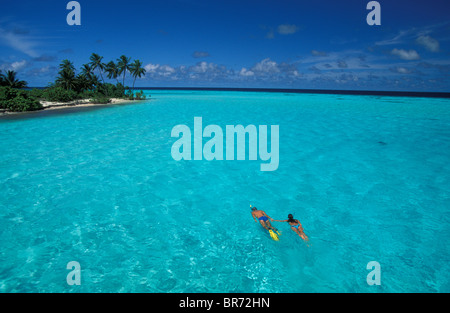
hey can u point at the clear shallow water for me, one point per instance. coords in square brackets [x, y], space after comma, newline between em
[367, 176]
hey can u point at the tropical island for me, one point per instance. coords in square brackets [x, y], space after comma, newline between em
[70, 88]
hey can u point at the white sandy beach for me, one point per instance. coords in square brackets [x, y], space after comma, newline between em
[47, 105]
[79, 103]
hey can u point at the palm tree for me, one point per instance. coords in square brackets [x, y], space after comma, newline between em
[96, 62]
[66, 65]
[95, 81]
[82, 82]
[137, 70]
[112, 70]
[66, 75]
[10, 80]
[123, 64]
[86, 70]
[2, 79]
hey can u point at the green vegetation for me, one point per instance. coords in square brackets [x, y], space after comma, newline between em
[10, 80]
[12, 98]
[16, 100]
[137, 70]
[71, 86]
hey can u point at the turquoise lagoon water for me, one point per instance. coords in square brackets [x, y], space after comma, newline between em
[367, 176]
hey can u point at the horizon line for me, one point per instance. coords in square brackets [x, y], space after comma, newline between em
[424, 94]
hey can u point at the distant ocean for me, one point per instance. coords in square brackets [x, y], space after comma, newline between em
[368, 177]
[429, 94]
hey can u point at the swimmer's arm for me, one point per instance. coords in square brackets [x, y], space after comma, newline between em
[280, 220]
[268, 216]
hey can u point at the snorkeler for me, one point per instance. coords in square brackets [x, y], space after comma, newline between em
[295, 226]
[263, 218]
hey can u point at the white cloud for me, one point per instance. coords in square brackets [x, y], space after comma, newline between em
[406, 55]
[42, 71]
[151, 67]
[167, 70]
[401, 70]
[429, 43]
[318, 53]
[268, 70]
[200, 54]
[405, 36]
[245, 72]
[265, 70]
[159, 70]
[270, 34]
[284, 29]
[15, 66]
[266, 66]
[287, 29]
[202, 71]
[203, 67]
[342, 64]
[18, 41]
[395, 40]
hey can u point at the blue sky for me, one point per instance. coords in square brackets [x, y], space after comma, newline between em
[320, 44]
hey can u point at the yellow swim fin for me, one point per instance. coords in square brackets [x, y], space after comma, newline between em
[277, 231]
[273, 235]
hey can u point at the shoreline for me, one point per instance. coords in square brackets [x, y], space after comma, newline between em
[82, 103]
